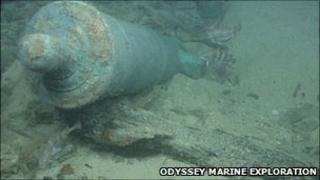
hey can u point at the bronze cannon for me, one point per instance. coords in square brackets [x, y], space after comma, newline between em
[75, 55]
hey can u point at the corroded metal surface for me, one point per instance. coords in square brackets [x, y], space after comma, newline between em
[64, 43]
[76, 55]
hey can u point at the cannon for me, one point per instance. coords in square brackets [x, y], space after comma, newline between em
[75, 55]
[78, 59]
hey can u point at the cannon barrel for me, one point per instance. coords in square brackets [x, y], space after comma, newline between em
[75, 54]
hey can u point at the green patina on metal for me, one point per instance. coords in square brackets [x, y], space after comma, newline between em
[76, 54]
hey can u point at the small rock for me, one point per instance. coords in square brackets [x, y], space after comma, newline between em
[66, 169]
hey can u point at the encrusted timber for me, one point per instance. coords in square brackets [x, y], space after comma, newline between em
[201, 146]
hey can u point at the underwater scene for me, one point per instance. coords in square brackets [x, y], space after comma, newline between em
[159, 89]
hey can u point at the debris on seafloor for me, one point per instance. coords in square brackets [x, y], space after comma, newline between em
[216, 37]
[66, 169]
[37, 153]
[253, 95]
[9, 159]
[303, 122]
[219, 66]
[221, 36]
[56, 148]
[297, 91]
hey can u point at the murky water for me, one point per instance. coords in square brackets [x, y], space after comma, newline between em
[255, 104]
